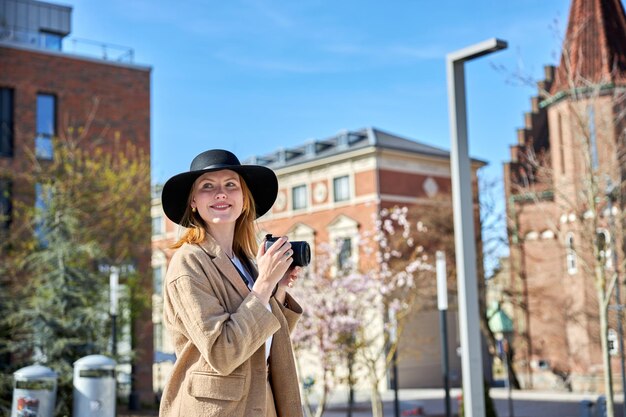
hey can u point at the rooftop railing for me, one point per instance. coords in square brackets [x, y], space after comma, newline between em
[77, 46]
[106, 51]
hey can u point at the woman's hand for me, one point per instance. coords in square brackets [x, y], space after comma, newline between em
[288, 280]
[273, 265]
[290, 277]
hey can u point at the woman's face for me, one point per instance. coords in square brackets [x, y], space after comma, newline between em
[218, 197]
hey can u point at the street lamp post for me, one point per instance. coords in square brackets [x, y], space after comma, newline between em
[114, 277]
[502, 328]
[464, 237]
[506, 352]
[442, 305]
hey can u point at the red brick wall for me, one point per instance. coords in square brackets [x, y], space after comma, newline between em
[365, 183]
[409, 184]
[122, 94]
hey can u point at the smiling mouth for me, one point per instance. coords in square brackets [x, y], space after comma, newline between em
[220, 206]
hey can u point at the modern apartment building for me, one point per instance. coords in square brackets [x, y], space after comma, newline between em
[46, 90]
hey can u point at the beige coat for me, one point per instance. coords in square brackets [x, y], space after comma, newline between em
[219, 329]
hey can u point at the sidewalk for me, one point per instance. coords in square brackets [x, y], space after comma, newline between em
[430, 402]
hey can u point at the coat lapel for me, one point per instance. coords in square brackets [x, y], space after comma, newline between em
[224, 264]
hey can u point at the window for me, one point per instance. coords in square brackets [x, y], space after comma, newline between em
[159, 261]
[341, 188]
[591, 115]
[298, 196]
[157, 225]
[5, 204]
[40, 200]
[561, 146]
[157, 278]
[46, 125]
[6, 122]
[43, 195]
[604, 248]
[344, 254]
[158, 336]
[50, 40]
[343, 234]
[570, 254]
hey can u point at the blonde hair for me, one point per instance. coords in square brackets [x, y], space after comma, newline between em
[244, 243]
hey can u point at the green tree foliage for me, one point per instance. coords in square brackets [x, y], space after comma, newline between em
[60, 313]
[5, 366]
[90, 208]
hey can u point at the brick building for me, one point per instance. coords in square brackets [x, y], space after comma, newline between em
[563, 237]
[44, 91]
[329, 192]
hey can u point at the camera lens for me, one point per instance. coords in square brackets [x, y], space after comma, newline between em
[301, 253]
[301, 250]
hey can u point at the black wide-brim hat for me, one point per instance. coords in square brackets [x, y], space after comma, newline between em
[261, 182]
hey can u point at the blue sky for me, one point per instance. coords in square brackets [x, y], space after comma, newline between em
[252, 76]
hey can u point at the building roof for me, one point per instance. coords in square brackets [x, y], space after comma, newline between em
[594, 49]
[344, 141]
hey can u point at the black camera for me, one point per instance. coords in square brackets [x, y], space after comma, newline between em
[301, 250]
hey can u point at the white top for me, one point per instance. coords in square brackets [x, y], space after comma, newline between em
[250, 282]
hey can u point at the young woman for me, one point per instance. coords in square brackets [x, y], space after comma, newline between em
[226, 305]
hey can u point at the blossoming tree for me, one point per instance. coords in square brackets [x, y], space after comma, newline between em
[347, 327]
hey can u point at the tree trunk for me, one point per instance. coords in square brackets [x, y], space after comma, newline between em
[321, 403]
[377, 403]
[606, 360]
[350, 383]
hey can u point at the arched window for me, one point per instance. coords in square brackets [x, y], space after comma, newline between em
[570, 254]
[343, 233]
[604, 247]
